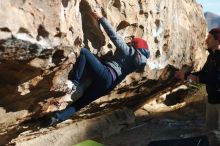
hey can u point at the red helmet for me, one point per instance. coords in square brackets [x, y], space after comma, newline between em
[141, 46]
[139, 43]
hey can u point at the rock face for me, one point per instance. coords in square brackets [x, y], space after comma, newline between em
[40, 40]
[212, 19]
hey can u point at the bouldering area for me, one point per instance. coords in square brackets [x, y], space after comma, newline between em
[39, 44]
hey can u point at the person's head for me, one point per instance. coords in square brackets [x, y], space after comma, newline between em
[141, 45]
[213, 39]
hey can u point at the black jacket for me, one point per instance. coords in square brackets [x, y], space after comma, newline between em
[210, 76]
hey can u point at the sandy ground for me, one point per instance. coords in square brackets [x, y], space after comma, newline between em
[188, 121]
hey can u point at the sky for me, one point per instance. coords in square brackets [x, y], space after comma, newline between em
[210, 5]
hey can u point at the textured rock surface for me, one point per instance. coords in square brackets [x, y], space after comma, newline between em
[40, 40]
[79, 130]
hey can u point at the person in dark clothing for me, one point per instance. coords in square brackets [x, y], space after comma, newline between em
[210, 76]
[128, 58]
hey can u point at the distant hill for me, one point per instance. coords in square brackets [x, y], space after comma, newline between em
[212, 19]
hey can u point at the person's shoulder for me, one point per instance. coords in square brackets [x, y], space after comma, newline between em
[218, 52]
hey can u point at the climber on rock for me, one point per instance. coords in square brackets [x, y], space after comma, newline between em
[210, 76]
[129, 57]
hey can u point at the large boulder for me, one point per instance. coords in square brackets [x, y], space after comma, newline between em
[40, 41]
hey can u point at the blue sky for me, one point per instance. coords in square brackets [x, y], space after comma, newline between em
[210, 5]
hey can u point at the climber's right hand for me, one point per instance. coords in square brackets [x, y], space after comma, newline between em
[96, 15]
